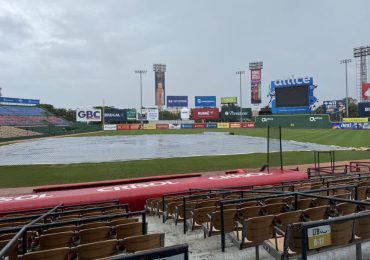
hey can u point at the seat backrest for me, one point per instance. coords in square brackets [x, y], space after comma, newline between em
[248, 204]
[229, 219]
[283, 219]
[97, 249]
[362, 192]
[55, 254]
[346, 195]
[59, 229]
[304, 203]
[273, 209]
[207, 203]
[362, 227]
[341, 233]
[93, 225]
[12, 254]
[128, 230]
[249, 212]
[189, 207]
[143, 242]
[321, 202]
[346, 208]
[56, 240]
[294, 234]
[94, 234]
[200, 215]
[315, 213]
[259, 228]
[273, 201]
[120, 221]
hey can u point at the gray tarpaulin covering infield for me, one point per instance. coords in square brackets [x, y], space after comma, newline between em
[122, 148]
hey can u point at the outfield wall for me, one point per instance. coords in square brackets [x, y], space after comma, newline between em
[223, 125]
[294, 121]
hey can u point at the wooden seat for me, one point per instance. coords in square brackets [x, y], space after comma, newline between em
[273, 209]
[341, 233]
[97, 250]
[254, 232]
[179, 214]
[304, 203]
[248, 204]
[320, 202]
[207, 203]
[316, 213]
[346, 208]
[128, 230]
[143, 242]
[151, 205]
[213, 224]
[170, 210]
[7, 236]
[283, 219]
[363, 191]
[249, 212]
[273, 201]
[93, 225]
[94, 234]
[56, 240]
[362, 227]
[346, 195]
[11, 254]
[92, 214]
[200, 216]
[59, 229]
[120, 221]
[55, 254]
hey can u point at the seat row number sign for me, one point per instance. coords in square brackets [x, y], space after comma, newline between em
[319, 236]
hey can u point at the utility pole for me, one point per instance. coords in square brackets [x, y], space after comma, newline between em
[141, 72]
[346, 61]
[240, 72]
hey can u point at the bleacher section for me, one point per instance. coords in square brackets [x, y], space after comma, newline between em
[11, 132]
[27, 116]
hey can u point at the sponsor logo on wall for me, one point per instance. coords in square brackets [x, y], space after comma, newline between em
[205, 113]
[88, 115]
[205, 101]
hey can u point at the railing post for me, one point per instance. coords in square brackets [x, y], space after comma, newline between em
[222, 227]
[184, 208]
[144, 223]
[304, 243]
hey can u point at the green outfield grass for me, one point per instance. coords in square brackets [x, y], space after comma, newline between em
[346, 138]
[32, 175]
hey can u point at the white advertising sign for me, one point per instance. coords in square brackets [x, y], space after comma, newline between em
[151, 114]
[185, 115]
[88, 115]
[110, 127]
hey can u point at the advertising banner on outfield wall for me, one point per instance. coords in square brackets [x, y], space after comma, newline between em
[110, 127]
[364, 109]
[159, 88]
[131, 114]
[211, 125]
[115, 115]
[334, 106]
[150, 114]
[123, 127]
[354, 126]
[356, 120]
[185, 114]
[229, 100]
[177, 101]
[149, 126]
[19, 101]
[233, 115]
[365, 89]
[223, 125]
[205, 113]
[294, 121]
[205, 101]
[256, 78]
[88, 115]
[186, 126]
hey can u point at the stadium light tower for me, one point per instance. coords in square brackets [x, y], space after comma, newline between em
[346, 61]
[141, 72]
[240, 72]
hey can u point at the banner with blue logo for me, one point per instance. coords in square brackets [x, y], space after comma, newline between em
[350, 125]
[177, 101]
[334, 106]
[19, 101]
[186, 126]
[211, 125]
[364, 109]
[205, 101]
[115, 115]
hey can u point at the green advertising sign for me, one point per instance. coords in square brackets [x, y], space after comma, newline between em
[131, 114]
[294, 121]
[229, 100]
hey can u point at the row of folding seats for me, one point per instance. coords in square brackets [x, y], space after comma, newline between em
[95, 250]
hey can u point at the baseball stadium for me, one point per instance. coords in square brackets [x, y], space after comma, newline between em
[275, 172]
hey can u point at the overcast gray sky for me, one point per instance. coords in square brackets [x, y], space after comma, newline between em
[75, 53]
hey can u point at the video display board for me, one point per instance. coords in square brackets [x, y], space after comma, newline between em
[294, 96]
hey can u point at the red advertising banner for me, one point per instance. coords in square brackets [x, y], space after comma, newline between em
[135, 126]
[205, 113]
[162, 126]
[198, 125]
[123, 127]
[256, 77]
[247, 125]
[365, 91]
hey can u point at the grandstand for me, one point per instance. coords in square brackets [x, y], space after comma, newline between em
[28, 116]
[11, 132]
